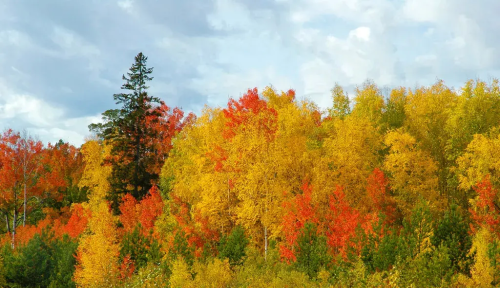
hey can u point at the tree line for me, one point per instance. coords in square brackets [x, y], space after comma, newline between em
[389, 191]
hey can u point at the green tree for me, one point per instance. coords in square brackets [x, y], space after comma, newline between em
[312, 252]
[341, 103]
[64, 251]
[29, 265]
[42, 262]
[129, 132]
[452, 231]
[136, 246]
[394, 115]
[233, 246]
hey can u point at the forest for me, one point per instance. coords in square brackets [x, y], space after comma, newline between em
[386, 188]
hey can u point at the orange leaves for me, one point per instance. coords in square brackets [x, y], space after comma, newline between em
[485, 210]
[145, 212]
[63, 167]
[25, 233]
[58, 223]
[19, 164]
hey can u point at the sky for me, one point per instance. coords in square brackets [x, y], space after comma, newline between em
[61, 61]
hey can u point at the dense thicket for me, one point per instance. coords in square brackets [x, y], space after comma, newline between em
[374, 191]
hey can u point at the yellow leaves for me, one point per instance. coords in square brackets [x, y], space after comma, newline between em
[98, 250]
[95, 176]
[341, 103]
[275, 100]
[181, 276]
[428, 106]
[427, 112]
[350, 155]
[481, 157]
[482, 272]
[369, 102]
[215, 274]
[412, 171]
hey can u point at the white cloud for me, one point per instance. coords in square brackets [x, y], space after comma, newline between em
[222, 49]
[41, 118]
[361, 33]
[126, 5]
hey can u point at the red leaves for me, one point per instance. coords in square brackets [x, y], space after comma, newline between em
[291, 95]
[127, 268]
[194, 226]
[377, 190]
[77, 222]
[342, 222]
[485, 211]
[339, 224]
[151, 207]
[300, 211]
[166, 122]
[218, 155]
[145, 212]
[250, 109]
[128, 209]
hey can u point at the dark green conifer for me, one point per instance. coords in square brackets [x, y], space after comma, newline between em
[128, 131]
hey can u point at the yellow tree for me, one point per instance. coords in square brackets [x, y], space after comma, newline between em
[199, 173]
[369, 102]
[233, 165]
[412, 172]
[341, 103]
[251, 130]
[477, 112]
[348, 156]
[482, 272]
[427, 112]
[292, 154]
[98, 250]
[481, 157]
[394, 114]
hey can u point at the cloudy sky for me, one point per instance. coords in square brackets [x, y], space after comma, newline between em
[61, 61]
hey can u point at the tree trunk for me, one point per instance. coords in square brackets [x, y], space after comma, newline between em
[14, 220]
[265, 243]
[7, 222]
[136, 172]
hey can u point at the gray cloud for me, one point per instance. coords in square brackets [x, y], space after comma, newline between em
[61, 61]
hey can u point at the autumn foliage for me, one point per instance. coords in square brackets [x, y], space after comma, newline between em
[396, 190]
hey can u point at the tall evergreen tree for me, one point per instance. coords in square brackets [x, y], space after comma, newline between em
[129, 131]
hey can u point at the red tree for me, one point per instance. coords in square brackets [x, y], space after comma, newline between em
[300, 211]
[19, 168]
[485, 210]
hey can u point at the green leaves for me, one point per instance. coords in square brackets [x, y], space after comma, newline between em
[233, 246]
[312, 251]
[42, 262]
